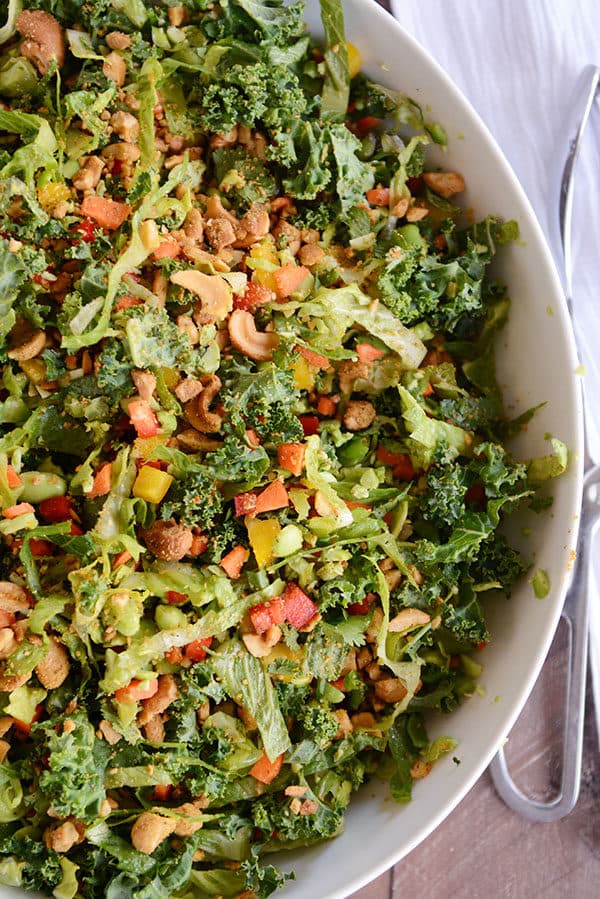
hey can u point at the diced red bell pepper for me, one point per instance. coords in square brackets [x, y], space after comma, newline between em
[40, 548]
[255, 295]
[310, 424]
[75, 530]
[475, 496]
[265, 614]
[126, 302]
[86, 230]
[378, 196]
[175, 599]
[196, 650]
[298, 607]
[252, 437]
[143, 418]
[57, 508]
[404, 470]
[361, 608]
[415, 185]
[366, 124]
[137, 690]
[245, 504]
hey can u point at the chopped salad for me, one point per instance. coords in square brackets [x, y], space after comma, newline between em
[252, 449]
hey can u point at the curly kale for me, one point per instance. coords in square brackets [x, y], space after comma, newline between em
[318, 724]
[114, 371]
[263, 401]
[273, 813]
[497, 561]
[444, 503]
[195, 501]
[42, 869]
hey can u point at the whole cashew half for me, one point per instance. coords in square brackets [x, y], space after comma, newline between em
[197, 411]
[257, 345]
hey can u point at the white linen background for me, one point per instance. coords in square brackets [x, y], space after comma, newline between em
[518, 61]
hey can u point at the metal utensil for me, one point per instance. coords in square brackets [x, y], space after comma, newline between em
[577, 602]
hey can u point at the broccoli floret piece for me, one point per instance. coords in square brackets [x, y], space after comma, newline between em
[318, 724]
[195, 501]
[291, 697]
[498, 561]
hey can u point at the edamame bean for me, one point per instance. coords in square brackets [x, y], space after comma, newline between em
[41, 485]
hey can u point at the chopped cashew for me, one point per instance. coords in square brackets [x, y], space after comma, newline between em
[166, 694]
[150, 830]
[89, 173]
[407, 619]
[192, 441]
[26, 342]
[445, 184]
[63, 837]
[261, 645]
[111, 736]
[359, 415]
[215, 293]
[154, 730]
[257, 345]
[125, 125]
[54, 667]
[168, 540]
[8, 683]
[255, 224]
[391, 689]
[44, 39]
[344, 722]
[420, 769]
[220, 232]
[188, 389]
[118, 40]
[145, 383]
[350, 372]
[197, 411]
[114, 69]
[8, 644]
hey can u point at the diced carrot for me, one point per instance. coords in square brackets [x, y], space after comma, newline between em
[127, 302]
[56, 508]
[175, 599]
[288, 278]
[291, 457]
[101, 485]
[233, 562]
[310, 424]
[137, 690]
[121, 559]
[298, 607]
[378, 196]
[168, 249]
[314, 359]
[252, 437]
[353, 505]
[361, 608]
[6, 618]
[429, 391]
[199, 544]
[274, 496]
[265, 614]
[367, 123]
[162, 792]
[18, 509]
[143, 418]
[196, 650]
[368, 353]
[326, 406]
[264, 770]
[174, 655]
[244, 504]
[108, 213]
[13, 478]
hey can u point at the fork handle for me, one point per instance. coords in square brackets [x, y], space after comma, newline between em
[576, 615]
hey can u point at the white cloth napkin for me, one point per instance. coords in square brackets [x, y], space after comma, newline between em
[518, 61]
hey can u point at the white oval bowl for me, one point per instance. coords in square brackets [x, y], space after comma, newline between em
[536, 363]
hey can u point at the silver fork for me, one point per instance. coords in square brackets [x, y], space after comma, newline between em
[577, 602]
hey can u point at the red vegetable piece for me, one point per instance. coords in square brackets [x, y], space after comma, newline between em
[255, 295]
[196, 650]
[174, 598]
[57, 508]
[245, 504]
[265, 614]
[298, 607]
[310, 424]
[143, 419]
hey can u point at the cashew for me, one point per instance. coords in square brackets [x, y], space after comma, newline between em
[407, 619]
[187, 326]
[89, 173]
[63, 837]
[185, 828]
[154, 730]
[114, 69]
[288, 234]
[194, 225]
[344, 723]
[255, 344]
[8, 683]
[54, 667]
[44, 39]
[391, 689]
[218, 141]
[168, 540]
[111, 736]
[177, 15]
[416, 213]
[125, 125]
[261, 645]
[145, 383]
[255, 223]
[198, 411]
[359, 415]
[214, 292]
[4, 750]
[188, 389]
[350, 372]
[310, 254]
[363, 719]
[445, 184]
[393, 578]
[220, 232]
[8, 644]
[125, 152]
[26, 342]
[150, 830]
[166, 694]
[118, 40]
[12, 597]
[192, 441]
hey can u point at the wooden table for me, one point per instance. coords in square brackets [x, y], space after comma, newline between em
[483, 850]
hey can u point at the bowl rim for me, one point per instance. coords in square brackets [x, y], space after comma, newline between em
[384, 18]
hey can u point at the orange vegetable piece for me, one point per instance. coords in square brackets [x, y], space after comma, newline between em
[326, 406]
[107, 213]
[291, 457]
[127, 302]
[12, 477]
[199, 544]
[314, 359]
[19, 509]
[274, 496]
[288, 278]
[162, 792]
[121, 558]
[137, 690]
[233, 562]
[168, 249]
[368, 353]
[101, 484]
[378, 196]
[265, 770]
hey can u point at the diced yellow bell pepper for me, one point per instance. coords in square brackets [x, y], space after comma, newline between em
[262, 534]
[171, 377]
[304, 375]
[354, 59]
[151, 484]
[265, 252]
[52, 194]
[281, 651]
[143, 447]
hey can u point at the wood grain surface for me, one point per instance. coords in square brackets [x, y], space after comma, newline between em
[483, 850]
